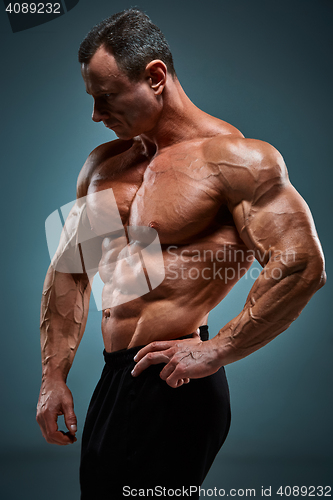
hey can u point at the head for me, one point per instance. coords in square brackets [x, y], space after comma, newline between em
[132, 39]
[125, 62]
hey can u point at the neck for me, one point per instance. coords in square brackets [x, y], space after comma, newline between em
[179, 119]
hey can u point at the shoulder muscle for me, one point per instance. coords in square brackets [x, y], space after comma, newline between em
[95, 159]
[249, 169]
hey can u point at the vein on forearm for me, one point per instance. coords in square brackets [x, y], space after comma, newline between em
[274, 302]
[63, 317]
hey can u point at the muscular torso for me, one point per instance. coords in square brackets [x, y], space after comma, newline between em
[178, 193]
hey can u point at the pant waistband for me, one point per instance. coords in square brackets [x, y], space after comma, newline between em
[125, 356]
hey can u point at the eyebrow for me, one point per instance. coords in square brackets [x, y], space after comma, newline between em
[101, 92]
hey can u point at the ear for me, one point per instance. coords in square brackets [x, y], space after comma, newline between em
[156, 74]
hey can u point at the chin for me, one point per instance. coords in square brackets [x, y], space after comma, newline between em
[124, 137]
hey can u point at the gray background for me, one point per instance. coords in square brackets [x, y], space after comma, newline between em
[264, 66]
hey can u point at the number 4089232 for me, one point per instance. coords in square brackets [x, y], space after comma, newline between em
[33, 8]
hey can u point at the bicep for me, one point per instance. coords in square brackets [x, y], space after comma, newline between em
[79, 249]
[280, 221]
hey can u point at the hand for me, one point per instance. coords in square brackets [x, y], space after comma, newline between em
[185, 359]
[56, 399]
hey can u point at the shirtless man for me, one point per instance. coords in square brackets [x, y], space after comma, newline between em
[161, 418]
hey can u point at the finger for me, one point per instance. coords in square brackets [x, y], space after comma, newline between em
[50, 423]
[175, 383]
[61, 438]
[72, 438]
[149, 359]
[174, 364]
[70, 418]
[153, 347]
[168, 369]
[183, 381]
[177, 377]
[52, 434]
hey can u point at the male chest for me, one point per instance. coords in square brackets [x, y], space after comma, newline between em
[180, 197]
[178, 194]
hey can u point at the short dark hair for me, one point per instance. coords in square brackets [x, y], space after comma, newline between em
[133, 40]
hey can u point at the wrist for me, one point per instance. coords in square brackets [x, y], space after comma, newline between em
[53, 369]
[224, 348]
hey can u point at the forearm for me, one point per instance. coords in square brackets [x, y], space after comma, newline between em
[64, 312]
[276, 299]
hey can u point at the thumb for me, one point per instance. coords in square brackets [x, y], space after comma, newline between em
[70, 417]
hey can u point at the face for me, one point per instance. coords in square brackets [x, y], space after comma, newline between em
[129, 108]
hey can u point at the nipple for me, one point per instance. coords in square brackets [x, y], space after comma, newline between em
[153, 224]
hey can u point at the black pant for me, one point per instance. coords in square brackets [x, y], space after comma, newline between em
[140, 433]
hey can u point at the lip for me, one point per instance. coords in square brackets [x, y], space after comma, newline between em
[112, 126]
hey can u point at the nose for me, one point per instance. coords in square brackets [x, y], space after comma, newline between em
[99, 114]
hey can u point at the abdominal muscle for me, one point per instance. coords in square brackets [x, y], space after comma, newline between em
[193, 285]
